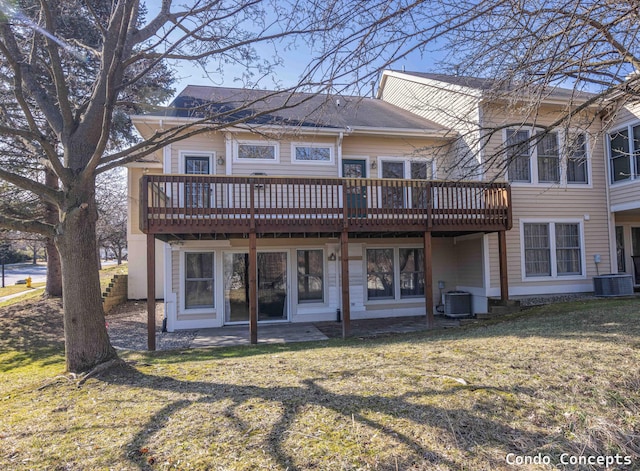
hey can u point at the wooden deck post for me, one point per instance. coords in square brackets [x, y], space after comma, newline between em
[346, 302]
[428, 279]
[151, 292]
[253, 288]
[502, 254]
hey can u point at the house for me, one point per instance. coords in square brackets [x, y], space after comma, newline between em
[561, 221]
[294, 206]
[623, 176]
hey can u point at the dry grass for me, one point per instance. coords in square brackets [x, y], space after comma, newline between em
[13, 289]
[561, 379]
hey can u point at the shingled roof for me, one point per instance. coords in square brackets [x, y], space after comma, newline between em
[264, 107]
[486, 84]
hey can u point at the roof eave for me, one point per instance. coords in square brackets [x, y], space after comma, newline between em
[361, 130]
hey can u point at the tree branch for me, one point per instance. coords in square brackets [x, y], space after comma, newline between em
[21, 225]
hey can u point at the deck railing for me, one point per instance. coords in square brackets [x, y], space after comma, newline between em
[238, 204]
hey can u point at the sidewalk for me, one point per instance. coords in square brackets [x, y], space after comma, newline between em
[21, 293]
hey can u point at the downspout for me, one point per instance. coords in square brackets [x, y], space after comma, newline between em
[613, 256]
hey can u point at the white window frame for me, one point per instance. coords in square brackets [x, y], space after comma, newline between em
[274, 144]
[397, 296]
[552, 248]
[563, 159]
[182, 164]
[634, 170]
[406, 171]
[316, 145]
[182, 160]
[183, 283]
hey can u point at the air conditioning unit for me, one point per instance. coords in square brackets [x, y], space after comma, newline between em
[457, 304]
[619, 284]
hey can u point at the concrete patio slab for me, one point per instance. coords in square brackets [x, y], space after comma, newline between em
[273, 333]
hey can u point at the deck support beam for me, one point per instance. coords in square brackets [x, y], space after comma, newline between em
[428, 279]
[253, 288]
[151, 292]
[502, 254]
[346, 302]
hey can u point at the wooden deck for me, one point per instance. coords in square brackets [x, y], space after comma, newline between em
[201, 204]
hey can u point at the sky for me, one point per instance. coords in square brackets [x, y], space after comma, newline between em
[287, 75]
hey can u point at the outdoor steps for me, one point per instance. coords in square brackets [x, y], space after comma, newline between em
[116, 293]
[497, 309]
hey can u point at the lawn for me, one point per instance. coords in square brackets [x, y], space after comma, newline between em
[558, 382]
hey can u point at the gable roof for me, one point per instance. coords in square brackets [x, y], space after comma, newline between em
[492, 85]
[273, 108]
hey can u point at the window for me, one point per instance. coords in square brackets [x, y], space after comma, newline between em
[411, 273]
[620, 156]
[624, 154]
[539, 159]
[552, 249]
[380, 270]
[548, 158]
[620, 253]
[199, 280]
[518, 158]
[310, 276]
[312, 153]
[420, 170]
[537, 253]
[568, 256]
[392, 195]
[257, 151]
[577, 159]
[387, 279]
[197, 193]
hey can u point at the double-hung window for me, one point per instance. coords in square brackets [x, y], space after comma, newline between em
[552, 249]
[624, 154]
[577, 171]
[547, 158]
[518, 156]
[199, 280]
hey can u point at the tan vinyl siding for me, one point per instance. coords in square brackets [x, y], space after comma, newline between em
[405, 148]
[468, 254]
[134, 175]
[448, 105]
[175, 276]
[626, 193]
[213, 142]
[553, 202]
[285, 166]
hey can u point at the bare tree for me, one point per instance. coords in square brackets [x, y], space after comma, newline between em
[111, 192]
[67, 91]
[527, 50]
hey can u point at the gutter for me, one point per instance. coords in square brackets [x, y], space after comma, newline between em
[349, 130]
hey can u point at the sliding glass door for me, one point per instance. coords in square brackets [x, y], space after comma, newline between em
[272, 287]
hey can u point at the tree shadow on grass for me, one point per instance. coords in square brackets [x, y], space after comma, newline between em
[31, 332]
[377, 413]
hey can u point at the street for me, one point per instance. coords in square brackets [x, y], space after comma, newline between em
[20, 271]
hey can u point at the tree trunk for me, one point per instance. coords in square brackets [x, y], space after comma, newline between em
[87, 342]
[54, 271]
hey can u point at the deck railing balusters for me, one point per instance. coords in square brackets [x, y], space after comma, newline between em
[234, 203]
